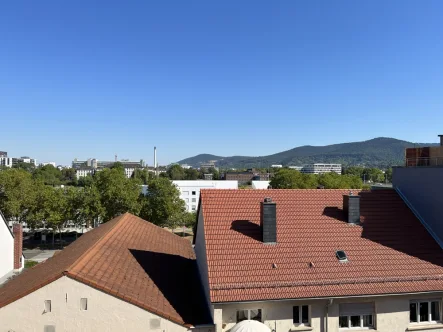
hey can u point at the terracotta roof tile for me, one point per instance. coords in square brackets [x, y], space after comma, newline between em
[389, 252]
[131, 259]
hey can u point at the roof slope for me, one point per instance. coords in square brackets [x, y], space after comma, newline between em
[390, 252]
[131, 259]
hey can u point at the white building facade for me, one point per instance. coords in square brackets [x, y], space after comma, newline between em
[190, 190]
[321, 168]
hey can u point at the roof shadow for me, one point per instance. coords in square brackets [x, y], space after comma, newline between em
[335, 213]
[388, 221]
[177, 278]
[247, 228]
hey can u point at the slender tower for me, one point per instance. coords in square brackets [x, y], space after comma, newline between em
[155, 161]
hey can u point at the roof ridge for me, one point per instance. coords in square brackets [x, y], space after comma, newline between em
[106, 235]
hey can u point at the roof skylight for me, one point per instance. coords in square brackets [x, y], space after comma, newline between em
[341, 255]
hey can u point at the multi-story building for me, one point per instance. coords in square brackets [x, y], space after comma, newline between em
[3, 154]
[26, 160]
[5, 161]
[419, 182]
[317, 260]
[12, 161]
[190, 190]
[321, 168]
[92, 165]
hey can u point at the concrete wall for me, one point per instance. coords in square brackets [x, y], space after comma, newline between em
[422, 186]
[391, 314]
[202, 263]
[6, 251]
[105, 313]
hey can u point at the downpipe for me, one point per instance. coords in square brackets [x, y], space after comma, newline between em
[328, 304]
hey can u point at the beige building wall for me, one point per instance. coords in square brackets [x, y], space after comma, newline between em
[391, 314]
[104, 313]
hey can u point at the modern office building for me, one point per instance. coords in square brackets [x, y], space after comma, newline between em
[321, 168]
[92, 165]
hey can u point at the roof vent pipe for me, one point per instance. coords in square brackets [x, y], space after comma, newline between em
[268, 220]
[351, 208]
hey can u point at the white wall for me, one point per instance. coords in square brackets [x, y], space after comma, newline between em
[260, 184]
[202, 263]
[105, 313]
[391, 314]
[186, 188]
[6, 251]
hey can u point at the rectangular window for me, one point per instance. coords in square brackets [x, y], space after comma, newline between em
[194, 200]
[185, 193]
[47, 305]
[83, 304]
[356, 315]
[193, 208]
[424, 311]
[193, 193]
[251, 314]
[300, 315]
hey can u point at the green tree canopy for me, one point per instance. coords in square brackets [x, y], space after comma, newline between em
[191, 174]
[176, 172]
[162, 204]
[118, 193]
[49, 174]
[17, 194]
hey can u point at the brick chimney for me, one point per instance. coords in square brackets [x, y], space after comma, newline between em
[17, 230]
[268, 220]
[441, 140]
[351, 208]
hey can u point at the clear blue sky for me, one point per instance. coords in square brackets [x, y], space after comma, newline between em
[94, 78]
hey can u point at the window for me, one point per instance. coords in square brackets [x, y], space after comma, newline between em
[83, 304]
[193, 193]
[49, 328]
[194, 208]
[424, 311]
[251, 314]
[47, 305]
[185, 193]
[187, 200]
[341, 255]
[356, 316]
[194, 200]
[300, 315]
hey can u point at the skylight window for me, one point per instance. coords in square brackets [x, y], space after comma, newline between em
[341, 255]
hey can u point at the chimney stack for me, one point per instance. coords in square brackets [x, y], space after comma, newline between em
[268, 220]
[441, 140]
[17, 230]
[351, 208]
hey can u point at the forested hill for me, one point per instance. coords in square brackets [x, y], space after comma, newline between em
[378, 152]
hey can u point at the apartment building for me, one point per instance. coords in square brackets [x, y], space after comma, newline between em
[92, 165]
[11, 255]
[317, 260]
[321, 168]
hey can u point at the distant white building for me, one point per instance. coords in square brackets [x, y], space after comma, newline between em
[9, 162]
[185, 166]
[190, 190]
[84, 171]
[92, 165]
[276, 166]
[297, 168]
[321, 168]
[260, 184]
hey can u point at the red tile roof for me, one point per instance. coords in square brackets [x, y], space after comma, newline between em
[131, 259]
[390, 252]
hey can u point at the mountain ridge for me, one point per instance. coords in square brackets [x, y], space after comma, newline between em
[379, 152]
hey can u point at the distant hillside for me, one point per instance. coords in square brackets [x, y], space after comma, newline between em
[378, 152]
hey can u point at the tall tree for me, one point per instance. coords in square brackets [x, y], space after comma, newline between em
[162, 205]
[91, 210]
[118, 193]
[17, 194]
[176, 172]
[49, 174]
[143, 175]
[191, 174]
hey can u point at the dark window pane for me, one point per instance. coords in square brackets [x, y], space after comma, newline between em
[355, 321]
[435, 311]
[343, 321]
[305, 314]
[255, 314]
[242, 315]
[296, 314]
[367, 321]
[413, 312]
[424, 311]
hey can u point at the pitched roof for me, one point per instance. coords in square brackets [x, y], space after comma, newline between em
[131, 259]
[390, 252]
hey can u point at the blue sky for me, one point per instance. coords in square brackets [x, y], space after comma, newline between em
[94, 78]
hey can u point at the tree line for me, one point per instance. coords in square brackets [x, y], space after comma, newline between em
[29, 197]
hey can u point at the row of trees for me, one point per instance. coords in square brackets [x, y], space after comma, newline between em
[176, 172]
[369, 174]
[25, 197]
[286, 178]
